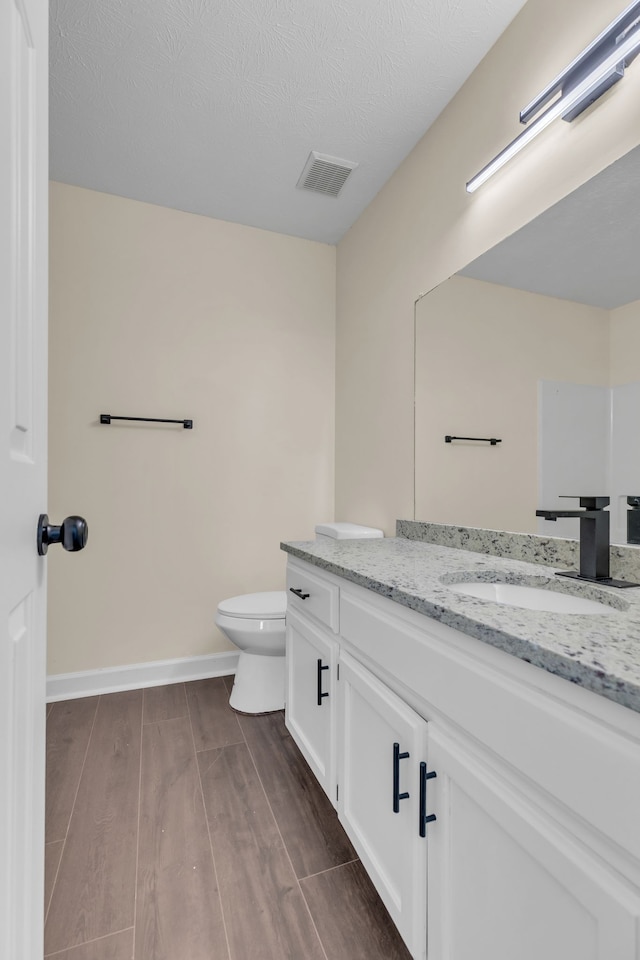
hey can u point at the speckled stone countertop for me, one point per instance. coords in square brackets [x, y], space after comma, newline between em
[598, 652]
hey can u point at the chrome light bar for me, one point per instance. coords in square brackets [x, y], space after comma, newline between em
[594, 71]
[585, 62]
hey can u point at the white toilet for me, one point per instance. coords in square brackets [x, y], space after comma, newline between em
[255, 623]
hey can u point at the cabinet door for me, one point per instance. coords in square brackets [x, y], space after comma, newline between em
[506, 881]
[310, 708]
[381, 743]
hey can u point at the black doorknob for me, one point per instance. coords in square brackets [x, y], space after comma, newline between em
[72, 533]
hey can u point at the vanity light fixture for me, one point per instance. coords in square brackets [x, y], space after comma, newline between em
[591, 74]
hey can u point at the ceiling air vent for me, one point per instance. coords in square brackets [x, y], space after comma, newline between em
[325, 174]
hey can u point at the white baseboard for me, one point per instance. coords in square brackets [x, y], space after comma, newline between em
[89, 683]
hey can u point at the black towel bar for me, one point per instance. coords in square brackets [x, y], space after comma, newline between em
[491, 440]
[108, 417]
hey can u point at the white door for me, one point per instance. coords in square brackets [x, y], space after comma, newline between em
[381, 744]
[310, 708]
[23, 470]
[506, 881]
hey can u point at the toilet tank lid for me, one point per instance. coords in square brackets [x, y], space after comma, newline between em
[348, 531]
[256, 606]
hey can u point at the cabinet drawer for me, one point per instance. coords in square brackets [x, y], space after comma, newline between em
[314, 597]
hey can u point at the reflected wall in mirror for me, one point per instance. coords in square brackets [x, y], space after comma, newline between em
[537, 343]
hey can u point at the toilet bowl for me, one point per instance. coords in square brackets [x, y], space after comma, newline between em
[255, 623]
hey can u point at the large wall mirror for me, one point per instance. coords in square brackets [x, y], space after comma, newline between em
[537, 344]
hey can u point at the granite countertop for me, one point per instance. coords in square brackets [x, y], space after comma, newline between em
[598, 652]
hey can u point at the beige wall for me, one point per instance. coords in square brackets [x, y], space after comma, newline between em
[625, 344]
[423, 227]
[481, 349]
[165, 314]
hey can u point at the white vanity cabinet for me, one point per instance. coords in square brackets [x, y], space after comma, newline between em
[312, 656]
[381, 745]
[506, 880]
[535, 846]
[310, 698]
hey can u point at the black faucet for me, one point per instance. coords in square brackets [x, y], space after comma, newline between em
[594, 541]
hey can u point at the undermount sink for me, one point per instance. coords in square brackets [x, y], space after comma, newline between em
[530, 598]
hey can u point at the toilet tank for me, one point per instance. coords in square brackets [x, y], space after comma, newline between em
[346, 531]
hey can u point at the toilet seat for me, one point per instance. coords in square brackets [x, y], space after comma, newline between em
[271, 605]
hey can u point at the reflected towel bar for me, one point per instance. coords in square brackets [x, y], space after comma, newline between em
[107, 418]
[491, 440]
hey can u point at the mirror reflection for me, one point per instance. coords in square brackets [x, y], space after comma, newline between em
[536, 343]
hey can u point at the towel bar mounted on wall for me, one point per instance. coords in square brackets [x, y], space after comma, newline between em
[108, 417]
[491, 440]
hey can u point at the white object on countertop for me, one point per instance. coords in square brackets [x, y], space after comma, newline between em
[347, 531]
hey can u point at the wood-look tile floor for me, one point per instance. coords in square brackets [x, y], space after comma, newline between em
[179, 830]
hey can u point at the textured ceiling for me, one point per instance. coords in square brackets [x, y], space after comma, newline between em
[585, 248]
[212, 106]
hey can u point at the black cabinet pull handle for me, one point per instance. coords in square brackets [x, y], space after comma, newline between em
[321, 695]
[397, 796]
[424, 819]
[299, 593]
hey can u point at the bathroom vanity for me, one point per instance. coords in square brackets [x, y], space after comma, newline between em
[484, 759]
